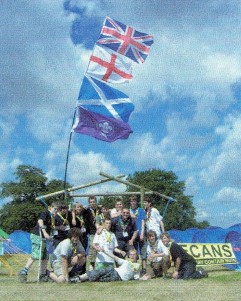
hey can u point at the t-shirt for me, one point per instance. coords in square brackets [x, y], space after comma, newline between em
[128, 270]
[177, 251]
[66, 248]
[46, 218]
[153, 221]
[90, 218]
[138, 215]
[157, 248]
[106, 240]
[65, 221]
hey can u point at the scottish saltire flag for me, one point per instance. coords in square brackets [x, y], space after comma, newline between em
[125, 40]
[109, 67]
[100, 127]
[100, 98]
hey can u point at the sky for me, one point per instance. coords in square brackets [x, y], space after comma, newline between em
[187, 96]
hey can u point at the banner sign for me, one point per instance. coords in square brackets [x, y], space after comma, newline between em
[211, 254]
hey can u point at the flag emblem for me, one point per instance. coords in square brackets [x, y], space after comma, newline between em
[100, 127]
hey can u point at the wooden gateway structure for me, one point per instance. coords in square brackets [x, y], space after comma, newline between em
[141, 191]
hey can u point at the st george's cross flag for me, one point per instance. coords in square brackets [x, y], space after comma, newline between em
[125, 40]
[98, 97]
[109, 67]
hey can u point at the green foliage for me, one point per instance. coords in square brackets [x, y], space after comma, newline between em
[178, 215]
[16, 216]
[30, 182]
[109, 202]
[23, 211]
[56, 185]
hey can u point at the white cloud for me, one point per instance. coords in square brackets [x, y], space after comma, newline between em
[229, 194]
[144, 152]
[223, 167]
[192, 186]
[85, 167]
[7, 167]
[222, 67]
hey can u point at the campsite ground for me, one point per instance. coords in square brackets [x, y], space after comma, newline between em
[222, 285]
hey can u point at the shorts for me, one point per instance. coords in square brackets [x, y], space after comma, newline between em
[39, 248]
[92, 251]
[57, 266]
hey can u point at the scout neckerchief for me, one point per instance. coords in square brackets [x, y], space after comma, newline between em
[74, 248]
[102, 217]
[148, 214]
[81, 220]
[123, 224]
[107, 235]
[93, 212]
[135, 266]
[134, 212]
[63, 219]
[154, 247]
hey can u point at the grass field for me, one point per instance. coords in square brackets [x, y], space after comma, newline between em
[221, 285]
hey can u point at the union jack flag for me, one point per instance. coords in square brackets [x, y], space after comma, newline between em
[125, 40]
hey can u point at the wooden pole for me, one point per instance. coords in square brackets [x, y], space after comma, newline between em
[109, 194]
[46, 196]
[136, 186]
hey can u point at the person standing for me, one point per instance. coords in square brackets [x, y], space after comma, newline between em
[62, 223]
[124, 228]
[40, 233]
[153, 218]
[118, 208]
[100, 218]
[90, 217]
[138, 215]
[78, 221]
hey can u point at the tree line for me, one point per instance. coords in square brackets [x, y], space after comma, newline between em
[22, 211]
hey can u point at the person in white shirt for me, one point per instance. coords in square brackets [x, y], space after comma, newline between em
[118, 208]
[157, 256]
[153, 218]
[105, 240]
[126, 270]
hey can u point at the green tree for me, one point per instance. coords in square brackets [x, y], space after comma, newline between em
[178, 215]
[23, 210]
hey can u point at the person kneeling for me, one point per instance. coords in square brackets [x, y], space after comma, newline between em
[126, 270]
[184, 263]
[68, 254]
[158, 257]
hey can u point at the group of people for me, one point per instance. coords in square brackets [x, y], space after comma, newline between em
[123, 243]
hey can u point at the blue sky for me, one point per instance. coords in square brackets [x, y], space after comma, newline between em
[187, 94]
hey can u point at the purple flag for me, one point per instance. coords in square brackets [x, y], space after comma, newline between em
[100, 127]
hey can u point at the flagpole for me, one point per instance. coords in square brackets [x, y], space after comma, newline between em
[68, 151]
[71, 133]
[70, 138]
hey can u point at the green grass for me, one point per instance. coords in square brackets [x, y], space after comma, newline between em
[221, 285]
